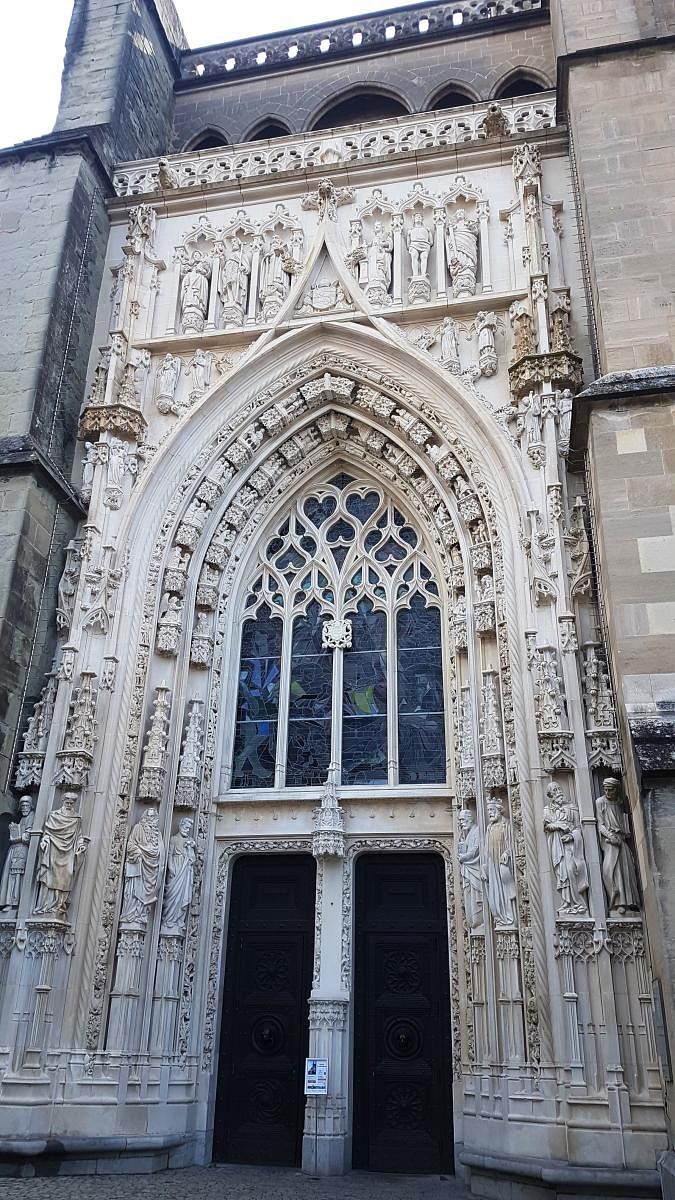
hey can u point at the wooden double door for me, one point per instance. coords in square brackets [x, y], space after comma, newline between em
[402, 1118]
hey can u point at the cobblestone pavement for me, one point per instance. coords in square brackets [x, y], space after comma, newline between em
[235, 1183]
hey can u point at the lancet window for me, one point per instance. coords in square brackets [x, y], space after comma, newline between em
[341, 658]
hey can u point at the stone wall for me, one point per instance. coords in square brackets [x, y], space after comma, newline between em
[415, 76]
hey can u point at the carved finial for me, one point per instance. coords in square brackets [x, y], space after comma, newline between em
[327, 199]
[328, 840]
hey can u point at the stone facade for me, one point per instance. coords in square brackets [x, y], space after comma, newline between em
[414, 324]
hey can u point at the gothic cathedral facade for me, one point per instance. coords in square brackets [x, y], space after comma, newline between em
[338, 613]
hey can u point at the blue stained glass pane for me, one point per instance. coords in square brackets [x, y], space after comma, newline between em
[420, 681]
[362, 507]
[365, 683]
[369, 628]
[258, 689]
[319, 511]
[391, 551]
[311, 686]
[257, 702]
[421, 748]
[307, 631]
[372, 539]
[254, 754]
[340, 531]
[418, 626]
[342, 480]
[408, 535]
[308, 752]
[364, 750]
[261, 636]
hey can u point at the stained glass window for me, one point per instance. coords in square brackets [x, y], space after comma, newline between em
[421, 726]
[309, 703]
[308, 695]
[257, 702]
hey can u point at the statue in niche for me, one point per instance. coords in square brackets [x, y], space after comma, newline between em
[91, 458]
[170, 624]
[378, 265]
[199, 370]
[277, 269]
[562, 826]
[450, 345]
[233, 282]
[468, 853]
[461, 247]
[561, 309]
[17, 854]
[141, 870]
[68, 587]
[524, 341]
[618, 867]
[419, 242]
[486, 327]
[167, 382]
[180, 870]
[118, 462]
[194, 293]
[60, 855]
[500, 884]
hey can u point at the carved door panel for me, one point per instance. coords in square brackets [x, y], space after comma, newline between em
[265, 1032]
[402, 1052]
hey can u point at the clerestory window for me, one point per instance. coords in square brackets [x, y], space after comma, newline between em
[341, 649]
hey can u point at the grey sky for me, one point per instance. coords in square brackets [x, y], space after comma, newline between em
[33, 34]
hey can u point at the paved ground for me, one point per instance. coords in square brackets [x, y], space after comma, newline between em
[234, 1183]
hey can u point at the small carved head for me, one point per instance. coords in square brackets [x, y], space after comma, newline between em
[185, 826]
[466, 819]
[610, 787]
[25, 805]
[495, 810]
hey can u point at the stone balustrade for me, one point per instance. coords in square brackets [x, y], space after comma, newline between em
[358, 143]
[349, 37]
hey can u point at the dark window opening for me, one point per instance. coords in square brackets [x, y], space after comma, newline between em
[520, 85]
[363, 107]
[209, 141]
[269, 131]
[453, 99]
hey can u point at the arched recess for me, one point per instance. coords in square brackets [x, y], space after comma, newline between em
[520, 82]
[367, 103]
[209, 138]
[451, 95]
[268, 428]
[267, 129]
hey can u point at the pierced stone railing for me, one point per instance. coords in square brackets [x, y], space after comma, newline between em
[350, 36]
[359, 143]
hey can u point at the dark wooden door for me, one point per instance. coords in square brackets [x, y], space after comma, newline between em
[265, 1030]
[402, 1051]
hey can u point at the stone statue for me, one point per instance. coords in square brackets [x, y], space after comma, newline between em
[199, 370]
[468, 853]
[419, 242]
[67, 589]
[450, 345]
[167, 381]
[461, 247]
[618, 867]
[486, 326]
[170, 624]
[524, 341]
[117, 464]
[277, 268]
[564, 401]
[180, 870]
[194, 293]
[562, 826]
[560, 309]
[89, 462]
[233, 282]
[498, 868]
[17, 854]
[62, 848]
[141, 870]
[378, 265]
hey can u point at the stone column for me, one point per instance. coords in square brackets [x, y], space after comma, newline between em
[166, 993]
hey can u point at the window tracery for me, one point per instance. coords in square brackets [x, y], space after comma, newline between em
[341, 648]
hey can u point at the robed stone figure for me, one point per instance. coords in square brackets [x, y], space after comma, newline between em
[618, 868]
[62, 848]
[180, 871]
[141, 870]
[468, 853]
[562, 826]
[17, 854]
[500, 884]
